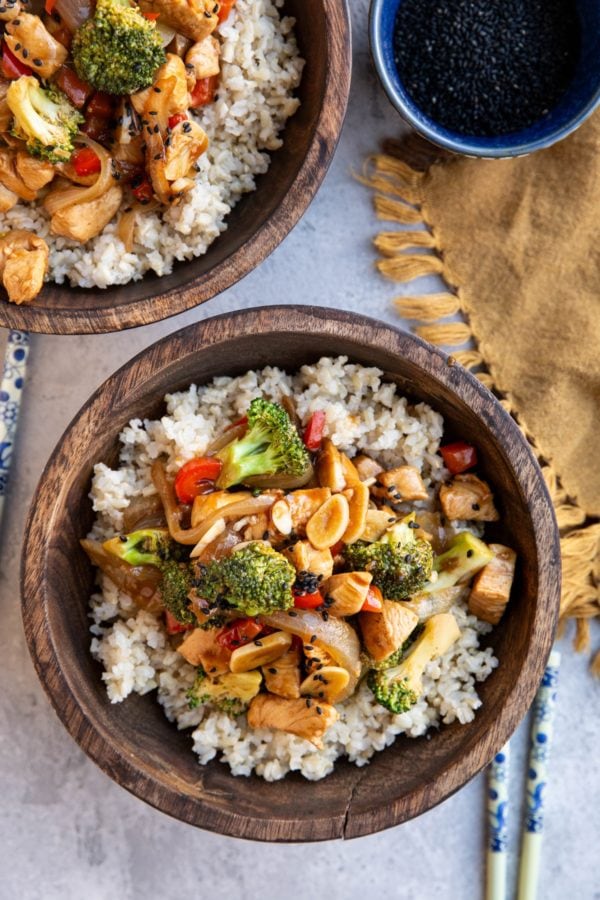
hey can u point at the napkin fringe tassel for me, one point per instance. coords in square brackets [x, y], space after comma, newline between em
[410, 254]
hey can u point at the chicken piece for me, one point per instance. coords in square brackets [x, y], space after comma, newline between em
[401, 483]
[282, 677]
[23, 265]
[10, 9]
[383, 633]
[35, 173]
[366, 467]
[201, 648]
[176, 99]
[186, 143]
[377, 521]
[304, 504]
[491, 586]
[207, 504]
[8, 199]
[468, 497]
[29, 40]
[257, 527]
[127, 138]
[202, 59]
[86, 220]
[11, 179]
[195, 19]
[316, 658]
[305, 558]
[330, 467]
[293, 716]
[346, 592]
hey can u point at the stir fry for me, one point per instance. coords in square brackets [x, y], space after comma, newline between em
[288, 573]
[98, 113]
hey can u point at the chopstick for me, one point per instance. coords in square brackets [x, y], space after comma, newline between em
[11, 391]
[537, 773]
[497, 808]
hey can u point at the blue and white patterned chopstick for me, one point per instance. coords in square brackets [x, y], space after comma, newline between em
[11, 390]
[537, 773]
[497, 808]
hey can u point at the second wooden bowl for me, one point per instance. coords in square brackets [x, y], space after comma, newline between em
[258, 223]
[133, 742]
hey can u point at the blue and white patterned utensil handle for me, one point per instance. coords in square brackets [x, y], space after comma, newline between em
[497, 808]
[11, 389]
[537, 774]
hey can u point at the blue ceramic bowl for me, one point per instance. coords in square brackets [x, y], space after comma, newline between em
[580, 100]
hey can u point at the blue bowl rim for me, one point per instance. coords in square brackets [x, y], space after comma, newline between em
[463, 145]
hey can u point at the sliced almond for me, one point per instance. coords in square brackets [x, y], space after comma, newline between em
[330, 468]
[348, 591]
[327, 684]
[358, 505]
[327, 526]
[281, 517]
[212, 534]
[260, 652]
[304, 504]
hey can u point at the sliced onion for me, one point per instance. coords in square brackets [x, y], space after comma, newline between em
[335, 636]
[126, 229]
[74, 12]
[141, 583]
[166, 33]
[232, 434]
[143, 512]
[61, 198]
[248, 507]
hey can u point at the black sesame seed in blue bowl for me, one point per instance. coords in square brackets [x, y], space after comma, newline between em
[492, 78]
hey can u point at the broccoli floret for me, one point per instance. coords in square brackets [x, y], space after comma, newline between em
[399, 562]
[255, 579]
[398, 687]
[117, 50]
[271, 446]
[465, 556]
[154, 547]
[43, 118]
[231, 692]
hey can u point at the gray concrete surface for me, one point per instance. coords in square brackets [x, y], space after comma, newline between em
[67, 832]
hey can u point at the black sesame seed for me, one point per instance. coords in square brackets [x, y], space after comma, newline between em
[273, 670]
[319, 711]
[292, 613]
[258, 643]
[38, 62]
[308, 702]
[313, 638]
[470, 553]
[475, 506]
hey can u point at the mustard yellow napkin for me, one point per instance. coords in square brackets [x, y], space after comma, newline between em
[518, 242]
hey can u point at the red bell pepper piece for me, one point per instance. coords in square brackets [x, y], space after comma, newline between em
[242, 421]
[176, 119]
[12, 67]
[225, 7]
[204, 91]
[49, 6]
[86, 161]
[374, 601]
[459, 457]
[192, 478]
[151, 16]
[239, 632]
[308, 601]
[173, 625]
[143, 192]
[313, 433]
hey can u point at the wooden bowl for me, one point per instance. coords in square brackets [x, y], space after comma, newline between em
[258, 223]
[133, 742]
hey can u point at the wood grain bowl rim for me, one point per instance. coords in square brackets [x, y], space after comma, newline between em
[146, 783]
[241, 261]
